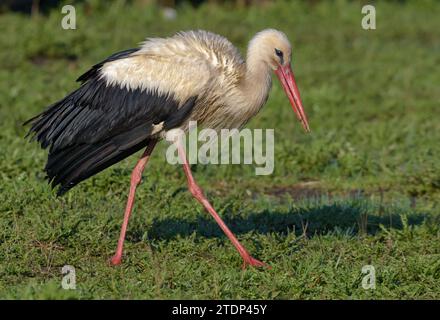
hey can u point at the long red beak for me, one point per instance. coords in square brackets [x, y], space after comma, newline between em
[287, 79]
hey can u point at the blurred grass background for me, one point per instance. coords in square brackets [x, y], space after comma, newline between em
[363, 188]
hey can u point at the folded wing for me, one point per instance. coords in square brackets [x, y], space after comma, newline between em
[122, 103]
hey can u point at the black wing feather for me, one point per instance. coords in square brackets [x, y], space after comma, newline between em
[98, 125]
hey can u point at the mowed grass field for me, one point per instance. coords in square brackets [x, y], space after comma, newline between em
[362, 189]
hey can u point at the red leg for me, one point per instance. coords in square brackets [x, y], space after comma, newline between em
[136, 177]
[198, 194]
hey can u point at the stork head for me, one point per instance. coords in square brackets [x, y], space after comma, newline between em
[274, 49]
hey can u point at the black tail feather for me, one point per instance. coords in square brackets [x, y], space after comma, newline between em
[70, 166]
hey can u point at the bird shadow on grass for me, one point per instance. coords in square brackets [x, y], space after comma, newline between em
[350, 218]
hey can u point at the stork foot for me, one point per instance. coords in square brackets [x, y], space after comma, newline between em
[115, 260]
[250, 261]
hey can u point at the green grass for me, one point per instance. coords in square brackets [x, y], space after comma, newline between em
[363, 188]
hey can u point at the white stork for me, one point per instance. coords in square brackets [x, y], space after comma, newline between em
[132, 99]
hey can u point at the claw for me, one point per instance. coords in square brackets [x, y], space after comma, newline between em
[250, 261]
[115, 260]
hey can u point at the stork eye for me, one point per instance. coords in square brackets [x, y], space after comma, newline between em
[279, 53]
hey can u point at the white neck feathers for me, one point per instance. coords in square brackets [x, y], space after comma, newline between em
[257, 81]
